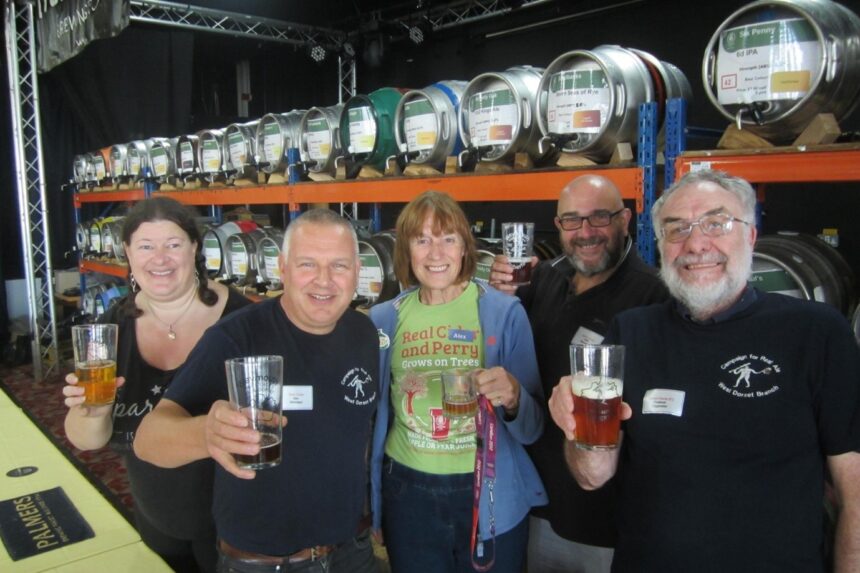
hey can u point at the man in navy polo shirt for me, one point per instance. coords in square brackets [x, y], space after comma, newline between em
[307, 513]
[736, 404]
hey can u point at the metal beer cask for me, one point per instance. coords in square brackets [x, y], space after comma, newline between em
[210, 154]
[215, 244]
[242, 253]
[806, 58]
[367, 127]
[497, 114]
[377, 281]
[187, 163]
[138, 160]
[276, 133]
[240, 143]
[162, 159]
[119, 162]
[426, 123]
[589, 99]
[99, 168]
[268, 253]
[787, 264]
[320, 140]
[80, 168]
[487, 251]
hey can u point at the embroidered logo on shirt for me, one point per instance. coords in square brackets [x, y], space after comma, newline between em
[354, 383]
[749, 376]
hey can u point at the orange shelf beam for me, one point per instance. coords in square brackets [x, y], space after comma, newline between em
[257, 195]
[87, 265]
[796, 166]
[538, 185]
[108, 196]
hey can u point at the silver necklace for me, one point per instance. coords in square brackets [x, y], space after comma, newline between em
[171, 334]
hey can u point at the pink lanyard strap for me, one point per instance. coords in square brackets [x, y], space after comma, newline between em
[485, 465]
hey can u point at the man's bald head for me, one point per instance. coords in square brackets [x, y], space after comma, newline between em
[591, 187]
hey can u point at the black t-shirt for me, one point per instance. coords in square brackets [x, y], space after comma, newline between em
[723, 460]
[316, 496]
[184, 508]
[557, 314]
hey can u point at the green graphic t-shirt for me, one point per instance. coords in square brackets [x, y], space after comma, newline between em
[430, 339]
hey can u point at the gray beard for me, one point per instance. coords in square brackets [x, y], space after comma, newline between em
[705, 301]
[609, 259]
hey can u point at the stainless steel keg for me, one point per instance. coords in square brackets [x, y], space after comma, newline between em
[240, 141]
[773, 65]
[187, 162]
[498, 114]
[590, 100]
[119, 162]
[276, 133]
[426, 123]
[210, 153]
[320, 140]
[162, 158]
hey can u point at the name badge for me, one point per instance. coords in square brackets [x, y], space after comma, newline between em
[586, 336]
[663, 401]
[297, 398]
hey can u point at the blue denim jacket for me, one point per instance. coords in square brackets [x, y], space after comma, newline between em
[508, 343]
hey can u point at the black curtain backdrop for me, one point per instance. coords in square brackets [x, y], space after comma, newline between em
[131, 87]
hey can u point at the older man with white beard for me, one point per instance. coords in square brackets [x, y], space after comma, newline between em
[575, 297]
[736, 404]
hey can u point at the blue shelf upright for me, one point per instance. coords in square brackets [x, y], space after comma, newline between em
[647, 159]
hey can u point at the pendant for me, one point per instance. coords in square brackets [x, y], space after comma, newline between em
[171, 334]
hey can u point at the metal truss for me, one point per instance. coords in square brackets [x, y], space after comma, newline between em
[345, 78]
[233, 24]
[30, 182]
[459, 13]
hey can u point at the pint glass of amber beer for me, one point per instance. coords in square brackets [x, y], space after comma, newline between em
[255, 386]
[518, 245]
[597, 372]
[95, 361]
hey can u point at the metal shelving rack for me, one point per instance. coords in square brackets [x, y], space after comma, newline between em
[535, 185]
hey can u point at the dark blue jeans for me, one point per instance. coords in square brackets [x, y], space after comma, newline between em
[355, 556]
[427, 522]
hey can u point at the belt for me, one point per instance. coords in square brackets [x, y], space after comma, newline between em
[314, 553]
[308, 554]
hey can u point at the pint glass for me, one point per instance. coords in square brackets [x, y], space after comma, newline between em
[95, 361]
[597, 384]
[518, 246]
[255, 387]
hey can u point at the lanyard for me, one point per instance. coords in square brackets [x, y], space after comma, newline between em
[485, 465]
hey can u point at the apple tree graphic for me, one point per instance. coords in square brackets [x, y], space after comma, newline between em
[412, 385]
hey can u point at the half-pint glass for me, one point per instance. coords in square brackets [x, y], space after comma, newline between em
[459, 398]
[95, 361]
[255, 387]
[518, 246]
[597, 384]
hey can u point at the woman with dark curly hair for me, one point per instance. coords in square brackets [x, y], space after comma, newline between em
[170, 304]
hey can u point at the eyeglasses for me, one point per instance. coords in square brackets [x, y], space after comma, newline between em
[596, 219]
[713, 225]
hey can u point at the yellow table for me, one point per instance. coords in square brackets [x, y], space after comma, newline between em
[116, 546]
